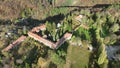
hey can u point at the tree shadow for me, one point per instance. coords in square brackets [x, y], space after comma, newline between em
[95, 8]
[64, 47]
[52, 65]
[92, 61]
[56, 18]
[30, 22]
[5, 22]
[32, 55]
[83, 7]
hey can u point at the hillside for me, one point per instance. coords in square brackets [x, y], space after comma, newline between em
[59, 34]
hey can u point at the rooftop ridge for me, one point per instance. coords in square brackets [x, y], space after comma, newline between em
[46, 42]
[38, 28]
[18, 41]
[42, 40]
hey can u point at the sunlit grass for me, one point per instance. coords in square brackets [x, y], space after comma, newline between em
[77, 57]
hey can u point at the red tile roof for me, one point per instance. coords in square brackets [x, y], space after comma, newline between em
[66, 36]
[79, 17]
[41, 39]
[38, 28]
[46, 41]
[18, 41]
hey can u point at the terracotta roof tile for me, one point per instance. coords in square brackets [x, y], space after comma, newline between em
[46, 41]
[41, 39]
[18, 41]
[38, 28]
[66, 36]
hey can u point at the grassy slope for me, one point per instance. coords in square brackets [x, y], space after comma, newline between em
[77, 57]
[11, 9]
[94, 2]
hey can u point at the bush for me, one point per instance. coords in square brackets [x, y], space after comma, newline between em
[114, 28]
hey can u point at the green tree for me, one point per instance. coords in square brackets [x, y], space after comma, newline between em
[57, 58]
[24, 30]
[114, 28]
[51, 28]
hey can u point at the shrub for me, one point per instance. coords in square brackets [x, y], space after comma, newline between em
[114, 28]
